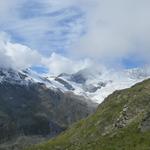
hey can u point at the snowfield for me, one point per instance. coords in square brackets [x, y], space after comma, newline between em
[94, 84]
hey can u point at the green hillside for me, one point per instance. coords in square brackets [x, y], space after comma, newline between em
[122, 122]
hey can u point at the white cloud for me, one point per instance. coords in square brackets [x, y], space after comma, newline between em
[17, 55]
[5, 60]
[116, 29]
[22, 56]
[57, 64]
[38, 23]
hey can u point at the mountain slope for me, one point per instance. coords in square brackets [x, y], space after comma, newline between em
[29, 108]
[122, 122]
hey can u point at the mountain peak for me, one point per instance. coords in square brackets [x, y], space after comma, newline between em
[95, 84]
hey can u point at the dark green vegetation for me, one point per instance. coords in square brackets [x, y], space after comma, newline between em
[122, 122]
[34, 110]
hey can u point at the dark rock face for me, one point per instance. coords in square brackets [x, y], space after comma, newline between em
[66, 84]
[34, 109]
[64, 74]
[30, 109]
[145, 126]
[78, 78]
[92, 88]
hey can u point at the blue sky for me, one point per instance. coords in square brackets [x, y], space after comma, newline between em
[44, 28]
[108, 32]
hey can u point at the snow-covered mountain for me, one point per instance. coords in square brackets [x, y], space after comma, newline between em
[32, 105]
[98, 84]
[94, 84]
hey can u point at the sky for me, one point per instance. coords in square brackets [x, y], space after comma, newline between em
[58, 36]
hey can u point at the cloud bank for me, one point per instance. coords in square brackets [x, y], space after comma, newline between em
[58, 64]
[116, 30]
[110, 32]
[19, 56]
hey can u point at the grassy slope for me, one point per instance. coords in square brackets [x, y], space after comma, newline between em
[98, 132]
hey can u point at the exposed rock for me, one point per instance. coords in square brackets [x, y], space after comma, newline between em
[93, 88]
[35, 110]
[145, 125]
[123, 118]
[66, 84]
[78, 78]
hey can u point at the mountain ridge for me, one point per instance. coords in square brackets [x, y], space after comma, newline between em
[121, 122]
[29, 108]
[95, 85]
[28, 99]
